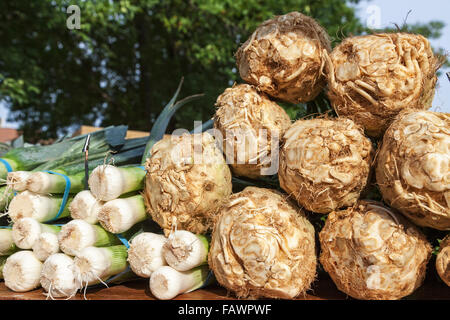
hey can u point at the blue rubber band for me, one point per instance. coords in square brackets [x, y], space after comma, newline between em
[7, 165]
[142, 167]
[5, 227]
[65, 196]
[123, 240]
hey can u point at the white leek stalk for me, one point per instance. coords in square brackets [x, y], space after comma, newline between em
[167, 283]
[33, 205]
[78, 234]
[22, 271]
[7, 245]
[119, 215]
[44, 182]
[94, 265]
[85, 206]
[45, 245]
[26, 231]
[108, 182]
[58, 276]
[17, 180]
[145, 253]
[185, 250]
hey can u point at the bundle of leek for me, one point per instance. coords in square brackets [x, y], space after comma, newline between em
[46, 245]
[58, 276]
[41, 181]
[28, 158]
[85, 206]
[145, 253]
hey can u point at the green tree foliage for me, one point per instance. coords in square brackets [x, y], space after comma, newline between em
[125, 62]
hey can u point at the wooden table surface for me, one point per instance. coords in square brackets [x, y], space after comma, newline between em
[322, 289]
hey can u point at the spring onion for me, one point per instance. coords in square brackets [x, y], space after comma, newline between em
[45, 245]
[166, 282]
[58, 276]
[26, 231]
[145, 253]
[22, 271]
[78, 234]
[185, 250]
[40, 207]
[85, 206]
[108, 182]
[7, 245]
[95, 265]
[119, 215]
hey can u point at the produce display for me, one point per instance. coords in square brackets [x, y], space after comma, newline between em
[360, 194]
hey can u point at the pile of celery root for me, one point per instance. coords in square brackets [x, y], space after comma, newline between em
[361, 193]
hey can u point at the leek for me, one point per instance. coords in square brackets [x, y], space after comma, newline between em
[17, 180]
[22, 271]
[26, 231]
[166, 282]
[40, 207]
[185, 250]
[45, 245]
[86, 207]
[95, 265]
[58, 276]
[108, 182]
[145, 253]
[119, 215]
[7, 245]
[78, 234]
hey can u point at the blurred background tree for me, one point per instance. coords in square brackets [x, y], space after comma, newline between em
[125, 62]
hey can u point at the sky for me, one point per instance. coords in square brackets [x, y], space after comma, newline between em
[389, 12]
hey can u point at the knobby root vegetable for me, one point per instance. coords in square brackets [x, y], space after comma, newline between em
[373, 253]
[58, 276]
[284, 57]
[187, 180]
[167, 283]
[26, 231]
[45, 245]
[22, 271]
[263, 246]
[78, 234]
[251, 126]
[372, 78]
[85, 206]
[184, 250]
[325, 163]
[108, 182]
[43, 208]
[145, 253]
[443, 260]
[119, 215]
[413, 168]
